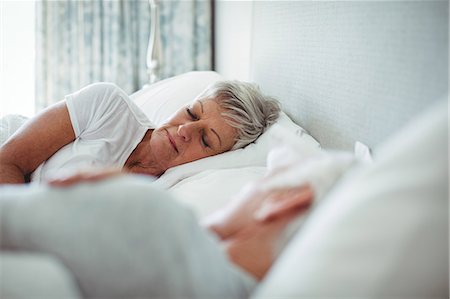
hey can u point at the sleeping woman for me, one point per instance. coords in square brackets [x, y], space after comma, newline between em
[100, 127]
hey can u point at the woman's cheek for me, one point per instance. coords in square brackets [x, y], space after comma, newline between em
[161, 150]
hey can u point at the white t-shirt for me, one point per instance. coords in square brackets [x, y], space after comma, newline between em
[108, 126]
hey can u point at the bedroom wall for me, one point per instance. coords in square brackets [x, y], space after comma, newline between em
[352, 71]
[233, 35]
[345, 71]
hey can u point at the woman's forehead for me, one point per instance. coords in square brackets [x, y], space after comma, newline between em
[213, 111]
[207, 105]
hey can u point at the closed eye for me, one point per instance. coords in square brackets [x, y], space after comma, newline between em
[191, 114]
[204, 142]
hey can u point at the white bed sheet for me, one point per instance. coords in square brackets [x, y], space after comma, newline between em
[211, 189]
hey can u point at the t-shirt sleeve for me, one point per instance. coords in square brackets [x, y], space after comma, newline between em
[89, 106]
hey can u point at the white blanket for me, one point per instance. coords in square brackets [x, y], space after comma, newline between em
[119, 238]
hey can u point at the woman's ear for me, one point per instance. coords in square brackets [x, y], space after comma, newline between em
[282, 201]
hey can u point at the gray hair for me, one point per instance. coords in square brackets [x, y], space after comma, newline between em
[244, 108]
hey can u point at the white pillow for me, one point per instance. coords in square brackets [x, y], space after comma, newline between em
[162, 99]
[363, 152]
[210, 190]
[383, 232]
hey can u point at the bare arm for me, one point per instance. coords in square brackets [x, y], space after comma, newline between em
[91, 176]
[34, 143]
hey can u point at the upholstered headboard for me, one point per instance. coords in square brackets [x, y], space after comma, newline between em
[349, 71]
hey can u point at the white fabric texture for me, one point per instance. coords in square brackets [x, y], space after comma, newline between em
[107, 125]
[26, 275]
[288, 168]
[321, 170]
[210, 190]
[120, 238]
[163, 98]
[363, 152]
[383, 232]
[10, 124]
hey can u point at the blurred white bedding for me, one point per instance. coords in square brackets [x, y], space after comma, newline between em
[19, 270]
[9, 124]
[383, 231]
[210, 190]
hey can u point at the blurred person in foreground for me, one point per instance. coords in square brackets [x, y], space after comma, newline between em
[224, 255]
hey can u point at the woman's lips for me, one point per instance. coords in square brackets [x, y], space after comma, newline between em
[172, 142]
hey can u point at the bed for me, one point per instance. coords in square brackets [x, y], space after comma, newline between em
[351, 76]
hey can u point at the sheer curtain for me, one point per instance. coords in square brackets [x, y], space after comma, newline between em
[186, 28]
[81, 42]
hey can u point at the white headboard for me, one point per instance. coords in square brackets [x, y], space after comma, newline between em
[349, 71]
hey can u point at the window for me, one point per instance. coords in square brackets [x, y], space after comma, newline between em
[17, 57]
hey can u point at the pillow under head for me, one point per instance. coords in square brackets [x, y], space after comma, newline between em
[162, 99]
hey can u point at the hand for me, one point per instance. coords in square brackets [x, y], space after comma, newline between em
[280, 202]
[260, 207]
[81, 177]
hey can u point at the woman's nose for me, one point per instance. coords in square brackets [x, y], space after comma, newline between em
[187, 130]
